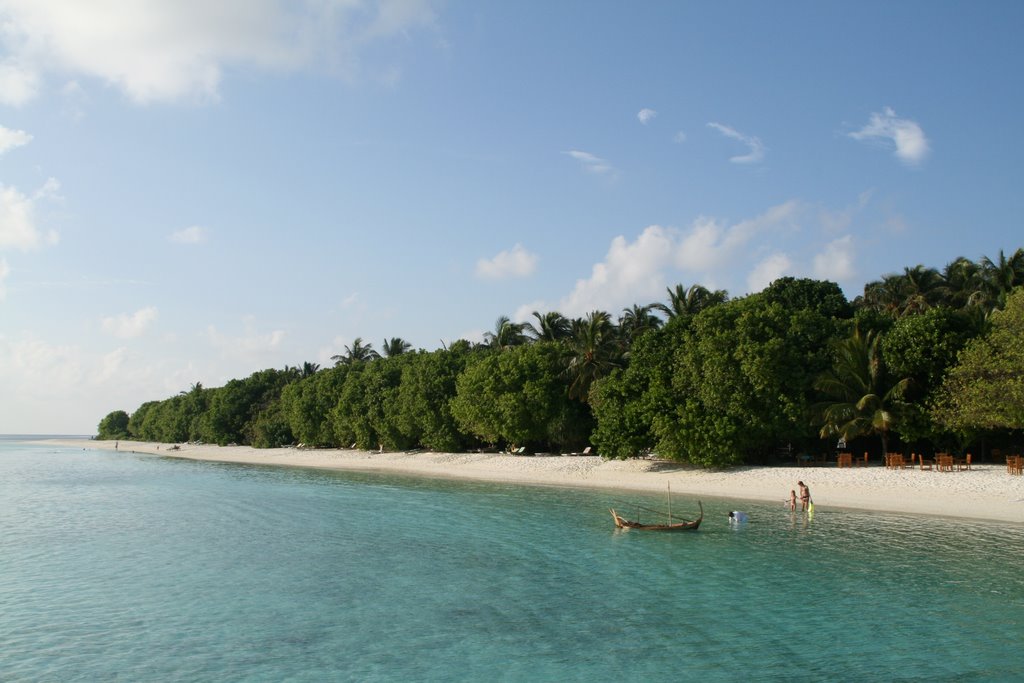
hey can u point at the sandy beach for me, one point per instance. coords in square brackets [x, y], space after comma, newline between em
[986, 491]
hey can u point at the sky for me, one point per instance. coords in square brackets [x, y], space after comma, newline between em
[194, 190]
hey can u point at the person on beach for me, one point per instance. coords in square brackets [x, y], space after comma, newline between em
[805, 496]
[736, 517]
[791, 502]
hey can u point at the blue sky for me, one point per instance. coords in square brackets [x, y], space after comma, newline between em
[192, 191]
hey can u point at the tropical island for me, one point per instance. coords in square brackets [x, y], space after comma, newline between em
[925, 361]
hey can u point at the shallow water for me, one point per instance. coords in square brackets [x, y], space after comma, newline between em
[123, 567]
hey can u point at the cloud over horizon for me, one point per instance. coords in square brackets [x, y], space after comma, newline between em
[638, 271]
[514, 262]
[130, 325]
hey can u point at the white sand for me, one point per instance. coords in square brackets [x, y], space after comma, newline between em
[984, 492]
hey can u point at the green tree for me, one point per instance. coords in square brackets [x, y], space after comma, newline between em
[358, 352]
[425, 395]
[552, 326]
[506, 334]
[395, 346]
[922, 348]
[594, 351]
[1002, 275]
[635, 321]
[985, 389]
[307, 404]
[519, 397]
[858, 393]
[113, 426]
[742, 380]
[683, 301]
[629, 401]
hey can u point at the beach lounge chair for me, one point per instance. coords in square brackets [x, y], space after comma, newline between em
[924, 464]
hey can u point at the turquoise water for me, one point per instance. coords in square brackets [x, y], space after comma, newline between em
[123, 567]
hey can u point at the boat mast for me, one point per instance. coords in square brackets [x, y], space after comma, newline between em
[669, 503]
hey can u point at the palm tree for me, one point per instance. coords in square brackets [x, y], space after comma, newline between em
[506, 334]
[923, 288]
[357, 353]
[552, 326]
[635, 321]
[395, 346]
[964, 284]
[594, 352]
[1002, 276]
[308, 369]
[682, 301]
[859, 395]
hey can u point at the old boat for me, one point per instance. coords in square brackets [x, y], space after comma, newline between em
[684, 525]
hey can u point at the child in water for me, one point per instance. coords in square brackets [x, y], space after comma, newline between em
[791, 502]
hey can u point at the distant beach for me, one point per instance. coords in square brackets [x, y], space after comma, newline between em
[986, 491]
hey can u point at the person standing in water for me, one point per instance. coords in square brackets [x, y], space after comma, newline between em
[791, 501]
[805, 496]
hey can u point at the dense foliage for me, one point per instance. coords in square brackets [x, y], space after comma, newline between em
[925, 358]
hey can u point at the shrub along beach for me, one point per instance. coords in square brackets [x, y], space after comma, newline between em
[925, 361]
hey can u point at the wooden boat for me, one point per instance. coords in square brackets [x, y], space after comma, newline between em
[685, 525]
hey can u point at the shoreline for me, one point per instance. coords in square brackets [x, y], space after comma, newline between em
[986, 492]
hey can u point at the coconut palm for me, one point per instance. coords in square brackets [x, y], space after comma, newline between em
[964, 284]
[358, 352]
[1002, 276]
[552, 326]
[682, 301]
[395, 346]
[635, 321]
[594, 352]
[506, 334]
[859, 396]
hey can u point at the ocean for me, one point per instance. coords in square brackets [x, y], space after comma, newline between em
[126, 567]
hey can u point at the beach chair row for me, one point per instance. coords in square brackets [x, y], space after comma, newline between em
[942, 462]
[1014, 464]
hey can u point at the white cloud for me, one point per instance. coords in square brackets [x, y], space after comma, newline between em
[17, 217]
[709, 252]
[5, 270]
[767, 271]
[515, 262]
[251, 345]
[630, 272]
[755, 151]
[835, 262]
[192, 235]
[9, 139]
[590, 162]
[161, 50]
[130, 325]
[710, 245]
[18, 84]
[645, 115]
[910, 141]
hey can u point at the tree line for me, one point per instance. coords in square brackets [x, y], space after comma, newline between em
[924, 359]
